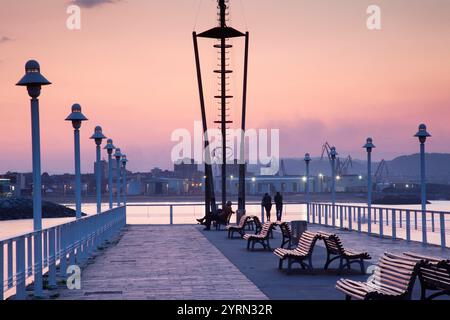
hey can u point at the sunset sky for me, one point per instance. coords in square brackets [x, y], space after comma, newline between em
[316, 73]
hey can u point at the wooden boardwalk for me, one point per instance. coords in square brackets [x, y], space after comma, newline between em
[162, 263]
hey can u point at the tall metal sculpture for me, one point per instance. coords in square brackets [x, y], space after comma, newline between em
[223, 34]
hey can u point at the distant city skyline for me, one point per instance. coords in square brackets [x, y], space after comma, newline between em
[316, 73]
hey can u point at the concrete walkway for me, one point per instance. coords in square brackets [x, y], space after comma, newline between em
[163, 263]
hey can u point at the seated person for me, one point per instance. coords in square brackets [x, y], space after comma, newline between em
[220, 216]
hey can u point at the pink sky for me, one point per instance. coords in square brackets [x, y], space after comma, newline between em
[316, 72]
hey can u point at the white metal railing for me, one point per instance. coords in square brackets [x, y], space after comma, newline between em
[69, 243]
[409, 224]
[186, 213]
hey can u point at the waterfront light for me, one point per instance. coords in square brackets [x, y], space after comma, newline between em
[306, 180]
[34, 80]
[76, 117]
[253, 179]
[369, 146]
[118, 156]
[110, 149]
[98, 137]
[333, 155]
[422, 134]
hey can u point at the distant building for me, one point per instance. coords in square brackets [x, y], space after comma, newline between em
[5, 187]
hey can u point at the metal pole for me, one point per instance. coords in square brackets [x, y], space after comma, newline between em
[118, 182]
[333, 189]
[223, 113]
[124, 181]
[424, 192]
[369, 180]
[37, 195]
[77, 174]
[98, 180]
[110, 181]
[210, 202]
[242, 165]
[307, 185]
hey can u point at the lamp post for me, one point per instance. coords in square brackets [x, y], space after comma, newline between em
[118, 155]
[77, 118]
[110, 148]
[34, 80]
[333, 155]
[124, 178]
[422, 134]
[98, 138]
[369, 146]
[307, 161]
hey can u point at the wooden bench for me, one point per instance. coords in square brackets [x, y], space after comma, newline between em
[434, 275]
[240, 228]
[336, 250]
[262, 237]
[393, 279]
[302, 254]
[286, 233]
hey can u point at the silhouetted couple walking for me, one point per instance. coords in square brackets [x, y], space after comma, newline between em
[267, 205]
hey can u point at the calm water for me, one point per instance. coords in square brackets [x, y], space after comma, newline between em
[183, 213]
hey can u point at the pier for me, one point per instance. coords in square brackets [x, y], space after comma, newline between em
[181, 261]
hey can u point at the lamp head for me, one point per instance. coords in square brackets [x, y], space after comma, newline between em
[422, 134]
[76, 116]
[369, 145]
[33, 79]
[118, 154]
[307, 158]
[109, 146]
[124, 160]
[98, 135]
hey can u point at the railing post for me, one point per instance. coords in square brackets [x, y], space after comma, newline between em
[307, 212]
[30, 255]
[394, 224]
[45, 260]
[319, 207]
[415, 220]
[432, 222]
[408, 225]
[52, 259]
[313, 212]
[442, 222]
[350, 218]
[387, 217]
[424, 227]
[359, 219]
[63, 252]
[171, 214]
[2, 280]
[341, 217]
[10, 264]
[400, 218]
[326, 213]
[333, 215]
[380, 223]
[20, 269]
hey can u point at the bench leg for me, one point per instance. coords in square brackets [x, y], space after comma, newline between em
[248, 244]
[280, 264]
[363, 269]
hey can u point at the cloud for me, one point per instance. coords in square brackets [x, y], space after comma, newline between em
[92, 3]
[4, 39]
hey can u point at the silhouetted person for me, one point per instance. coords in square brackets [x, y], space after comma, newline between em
[267, 204]
[221, 216]
[279, 205]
